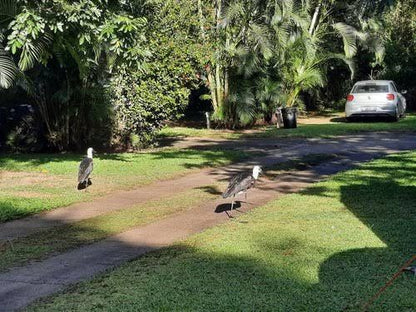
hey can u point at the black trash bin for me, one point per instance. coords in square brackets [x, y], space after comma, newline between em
[289, 115]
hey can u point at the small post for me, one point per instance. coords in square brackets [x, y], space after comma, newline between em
[279, 117]
[208, 120]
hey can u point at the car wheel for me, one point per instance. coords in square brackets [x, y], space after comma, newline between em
[396, 116]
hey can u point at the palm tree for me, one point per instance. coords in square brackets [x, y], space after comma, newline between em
[273, 51]
[302, 51]
[238, 35]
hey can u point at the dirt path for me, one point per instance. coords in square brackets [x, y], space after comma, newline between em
[20, 286]
[274, 152]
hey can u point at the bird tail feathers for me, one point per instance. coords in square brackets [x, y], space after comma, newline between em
[82, 185]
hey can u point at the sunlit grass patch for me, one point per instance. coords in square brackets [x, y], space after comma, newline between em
[328, 248]
[173, 132]
[332, 129]
[40, 245]
[51, 179]
[324, 130]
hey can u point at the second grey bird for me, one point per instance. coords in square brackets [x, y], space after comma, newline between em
[241, 183]
[85, 169]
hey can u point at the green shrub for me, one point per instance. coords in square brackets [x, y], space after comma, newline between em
[142, 104]
[144, 99]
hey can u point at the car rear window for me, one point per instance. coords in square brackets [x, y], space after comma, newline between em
[370, 88]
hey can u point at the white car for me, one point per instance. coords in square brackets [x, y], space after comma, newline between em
[375, 98]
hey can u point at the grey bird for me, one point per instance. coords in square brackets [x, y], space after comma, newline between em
[241, 183]
[85, 169]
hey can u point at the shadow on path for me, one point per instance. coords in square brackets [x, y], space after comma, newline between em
[22, 285]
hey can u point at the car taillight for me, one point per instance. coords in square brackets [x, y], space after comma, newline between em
[390, 97]
[350, 97]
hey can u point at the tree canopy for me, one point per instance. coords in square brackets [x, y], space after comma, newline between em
[112, 72]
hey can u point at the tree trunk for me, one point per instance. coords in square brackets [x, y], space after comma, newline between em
[226, 75]
[210, 76]
[218, 82]
[217, 75]
[315, 18]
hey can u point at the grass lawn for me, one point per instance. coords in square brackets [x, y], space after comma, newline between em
[37, 182]
[328, 248]
[40, 245]
[338, 128]
[326, 130]
[173, 132]
[63, 238]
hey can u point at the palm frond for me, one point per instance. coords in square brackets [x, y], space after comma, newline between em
[8, 70]
[8, 9]
[234, 11]
[348, 61]
[260, 37]
[245, 106]
[349, 35]
[268, 90]
[309, 78]
[33, 52]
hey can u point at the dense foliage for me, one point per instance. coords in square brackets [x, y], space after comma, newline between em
[400, 41]
[144, 98]
[68, 50]
[110, 73]
[98, 71]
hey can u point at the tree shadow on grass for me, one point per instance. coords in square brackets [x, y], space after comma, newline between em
[209, 157]
[387, 207]
[10, 160]
[346, 279]
[182, 278]
[264, 274]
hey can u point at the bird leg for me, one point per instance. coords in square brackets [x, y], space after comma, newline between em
[232, 203]
[245, 195]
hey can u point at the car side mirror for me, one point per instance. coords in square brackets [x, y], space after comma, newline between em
[404, 92]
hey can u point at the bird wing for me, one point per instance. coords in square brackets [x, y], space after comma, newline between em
[238, 183]
[85, 169]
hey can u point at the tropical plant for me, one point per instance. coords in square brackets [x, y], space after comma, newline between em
[8, 69]
[78, 45]
[273, 51]
[144, 99]
[304, 52]
[400, 37]
[237, 37]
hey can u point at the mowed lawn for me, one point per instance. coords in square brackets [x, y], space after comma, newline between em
[328, 248]
[62, 238]
[37, 182]
[59, 239]
[324, 130]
